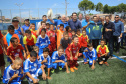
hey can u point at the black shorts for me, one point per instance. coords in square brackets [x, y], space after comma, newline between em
[102, 58]
[2, 61]
[30, 48]
[82, 49]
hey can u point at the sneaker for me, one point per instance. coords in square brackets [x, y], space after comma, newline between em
[71, 69]
[52, 71]
[106, 63]
[75, 68]
[60, 68]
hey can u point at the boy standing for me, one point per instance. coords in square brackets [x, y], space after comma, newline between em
[29, 40]
[33, 31]
[42, 41]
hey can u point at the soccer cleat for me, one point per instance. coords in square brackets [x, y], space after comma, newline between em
[85, 62]
[106, 63]
[52, 71]
[71, 69]
[75, 68]
[60, 68]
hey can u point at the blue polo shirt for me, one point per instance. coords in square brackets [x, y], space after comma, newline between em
[74, 25]
[58, 22]
[17, 31]
[25, 27]
[119, 28]
[84, 23]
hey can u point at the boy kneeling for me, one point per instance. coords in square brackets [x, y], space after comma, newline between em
[33, 68]
[91, 54]
[58, 58]
[102, 51]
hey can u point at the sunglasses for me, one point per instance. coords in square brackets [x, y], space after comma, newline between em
[116, 17]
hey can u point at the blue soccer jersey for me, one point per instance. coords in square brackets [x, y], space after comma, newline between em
[91, 55]
[55, 57]
[48, 63]
[31, 67]
[42, 43]
[9, 72]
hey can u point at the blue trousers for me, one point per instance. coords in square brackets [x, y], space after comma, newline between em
[54, 65]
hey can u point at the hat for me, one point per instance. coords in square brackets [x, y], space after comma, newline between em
[15, 20]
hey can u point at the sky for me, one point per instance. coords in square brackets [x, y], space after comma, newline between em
[37, 8]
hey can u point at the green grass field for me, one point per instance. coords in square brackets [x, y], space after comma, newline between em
[114, 74]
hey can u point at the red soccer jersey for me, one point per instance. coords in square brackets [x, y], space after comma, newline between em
[15, 52]
[34, 33]
[84, 40]
[102, 50]
[70, 35]
[74, 48]
[52, 38]
[1, 36]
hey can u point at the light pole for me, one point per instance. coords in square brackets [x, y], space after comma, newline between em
[66, 6]
[19, 5]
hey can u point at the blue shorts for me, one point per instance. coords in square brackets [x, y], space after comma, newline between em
[54, 65]
[40, 51]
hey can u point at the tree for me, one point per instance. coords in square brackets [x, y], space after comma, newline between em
[99, 7]
[113, 9]
[106, 9]
[86, 5]
[121, 7]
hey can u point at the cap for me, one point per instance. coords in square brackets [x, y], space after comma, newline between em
[15, 20]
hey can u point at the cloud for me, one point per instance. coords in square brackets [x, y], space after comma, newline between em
[54, 5]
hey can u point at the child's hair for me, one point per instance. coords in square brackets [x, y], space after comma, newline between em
[11, 27]
[32, 23]
[12, 40]
[78, 30]
[73, 30]
[17, 59]
[83, 30]
[67, 28]
[65, 33]
[44, 16]
[28, 31]
[62, 25]
[43, 30]
[89, 45]
[47, 24]
[45, 50]
[33, 54]
[74, 37]
[43, 22]
[60, 47]
[103, 40]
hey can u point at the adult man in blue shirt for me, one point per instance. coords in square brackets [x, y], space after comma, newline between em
[85, 24]
[74, 23]
[58, 22]
[25, 26]
[119, 29]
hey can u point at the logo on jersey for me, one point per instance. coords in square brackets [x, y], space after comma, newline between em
[18, 50]
[35, 65]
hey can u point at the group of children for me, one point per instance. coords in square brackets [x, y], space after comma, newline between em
[50, 48]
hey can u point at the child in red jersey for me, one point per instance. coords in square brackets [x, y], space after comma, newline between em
[83, 41]
[102, 51]
[29, 41]
[72, 53]
[15, 50]
[52, 35]
[33, 31]
[47, 27]
[43, 26]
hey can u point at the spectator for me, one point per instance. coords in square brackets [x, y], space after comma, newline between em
[108, 30]
[80, 16]
[117, 35]
[74, 23]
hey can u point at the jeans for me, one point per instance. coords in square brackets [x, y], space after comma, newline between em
[116, 44]
[95, 43]
[123, 38]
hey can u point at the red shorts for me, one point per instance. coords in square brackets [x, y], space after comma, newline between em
[68, 55]
[52, 47]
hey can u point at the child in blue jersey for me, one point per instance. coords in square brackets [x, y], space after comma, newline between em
[46, 60]
[91, 54]
[58, 58]
[13, 73]
[33, 68]
[43, 41]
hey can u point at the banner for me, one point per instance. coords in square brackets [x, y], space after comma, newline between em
[95, 30]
